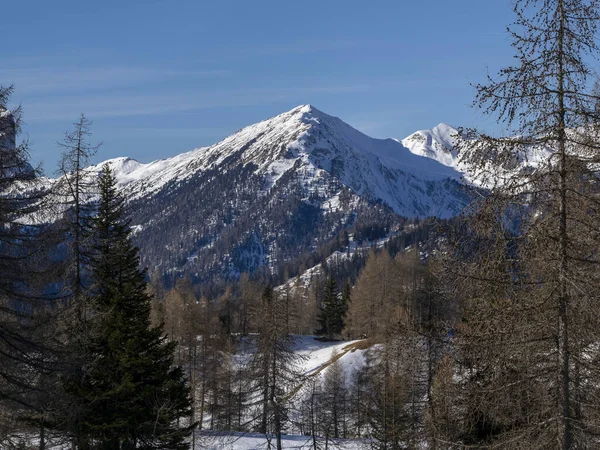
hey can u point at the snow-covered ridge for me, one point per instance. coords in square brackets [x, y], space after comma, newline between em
[310, 142]
[440, 144]
[437, 143]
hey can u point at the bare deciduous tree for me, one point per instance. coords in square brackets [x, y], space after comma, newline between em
[526, 267]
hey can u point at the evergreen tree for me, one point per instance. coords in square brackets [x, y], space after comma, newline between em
[345, 301]
[28, 347]
[333, 309]
[135, 397]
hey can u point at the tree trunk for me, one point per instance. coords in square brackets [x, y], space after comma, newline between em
[563, 306]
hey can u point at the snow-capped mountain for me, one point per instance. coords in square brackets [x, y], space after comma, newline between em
[308, 141]
[441, 143]
[437, 143]
[278, 194]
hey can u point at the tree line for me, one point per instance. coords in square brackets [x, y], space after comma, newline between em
[247, 376]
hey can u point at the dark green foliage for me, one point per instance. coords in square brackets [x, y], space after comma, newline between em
[134, 397]
[333, 309]
[27, 329]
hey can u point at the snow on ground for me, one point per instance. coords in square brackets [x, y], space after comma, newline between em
[252, 441]
[318, 354]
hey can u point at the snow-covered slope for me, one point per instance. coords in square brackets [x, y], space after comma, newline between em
[317, 358]
[437, 144]
[440, 143]
[309, 142]
[275, 191]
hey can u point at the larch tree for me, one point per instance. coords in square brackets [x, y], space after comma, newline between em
[73, 194]
[275, 366]
[526, 266]
[333, 402]
[387, 397]
[70, 202]
[373, 297]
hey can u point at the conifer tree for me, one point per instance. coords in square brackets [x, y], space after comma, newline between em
[373, 297]
[275, 366]
[70, 201]
[526, 267]
[72, 196]
[333, 401]
[333, 309]
[27, 325]
[135, 397]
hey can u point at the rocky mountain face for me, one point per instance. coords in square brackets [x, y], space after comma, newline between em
[281, 195]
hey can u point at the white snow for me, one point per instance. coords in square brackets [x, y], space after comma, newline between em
[439, 144]
[253, 441]
[312, 144]
[319, 353]
[436, 144]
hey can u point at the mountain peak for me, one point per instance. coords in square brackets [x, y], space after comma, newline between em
[437, 143]
[305, 108]
[442, 126]
[275, 190]
[305, 111]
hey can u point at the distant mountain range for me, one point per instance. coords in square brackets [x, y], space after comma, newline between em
[275, 194]
[309, 142]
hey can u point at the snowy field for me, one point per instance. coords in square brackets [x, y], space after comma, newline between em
[317, 355]
[250, 441]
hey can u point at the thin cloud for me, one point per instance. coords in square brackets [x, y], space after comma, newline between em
[51, 80]
[114, 105]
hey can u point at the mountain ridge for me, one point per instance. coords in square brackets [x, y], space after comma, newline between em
[279, 196]
[314, 140]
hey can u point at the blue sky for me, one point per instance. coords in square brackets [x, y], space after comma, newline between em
[162, 77]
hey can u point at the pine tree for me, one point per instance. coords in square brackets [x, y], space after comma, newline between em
[333, 309]
[27, 324]
[135, 397]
